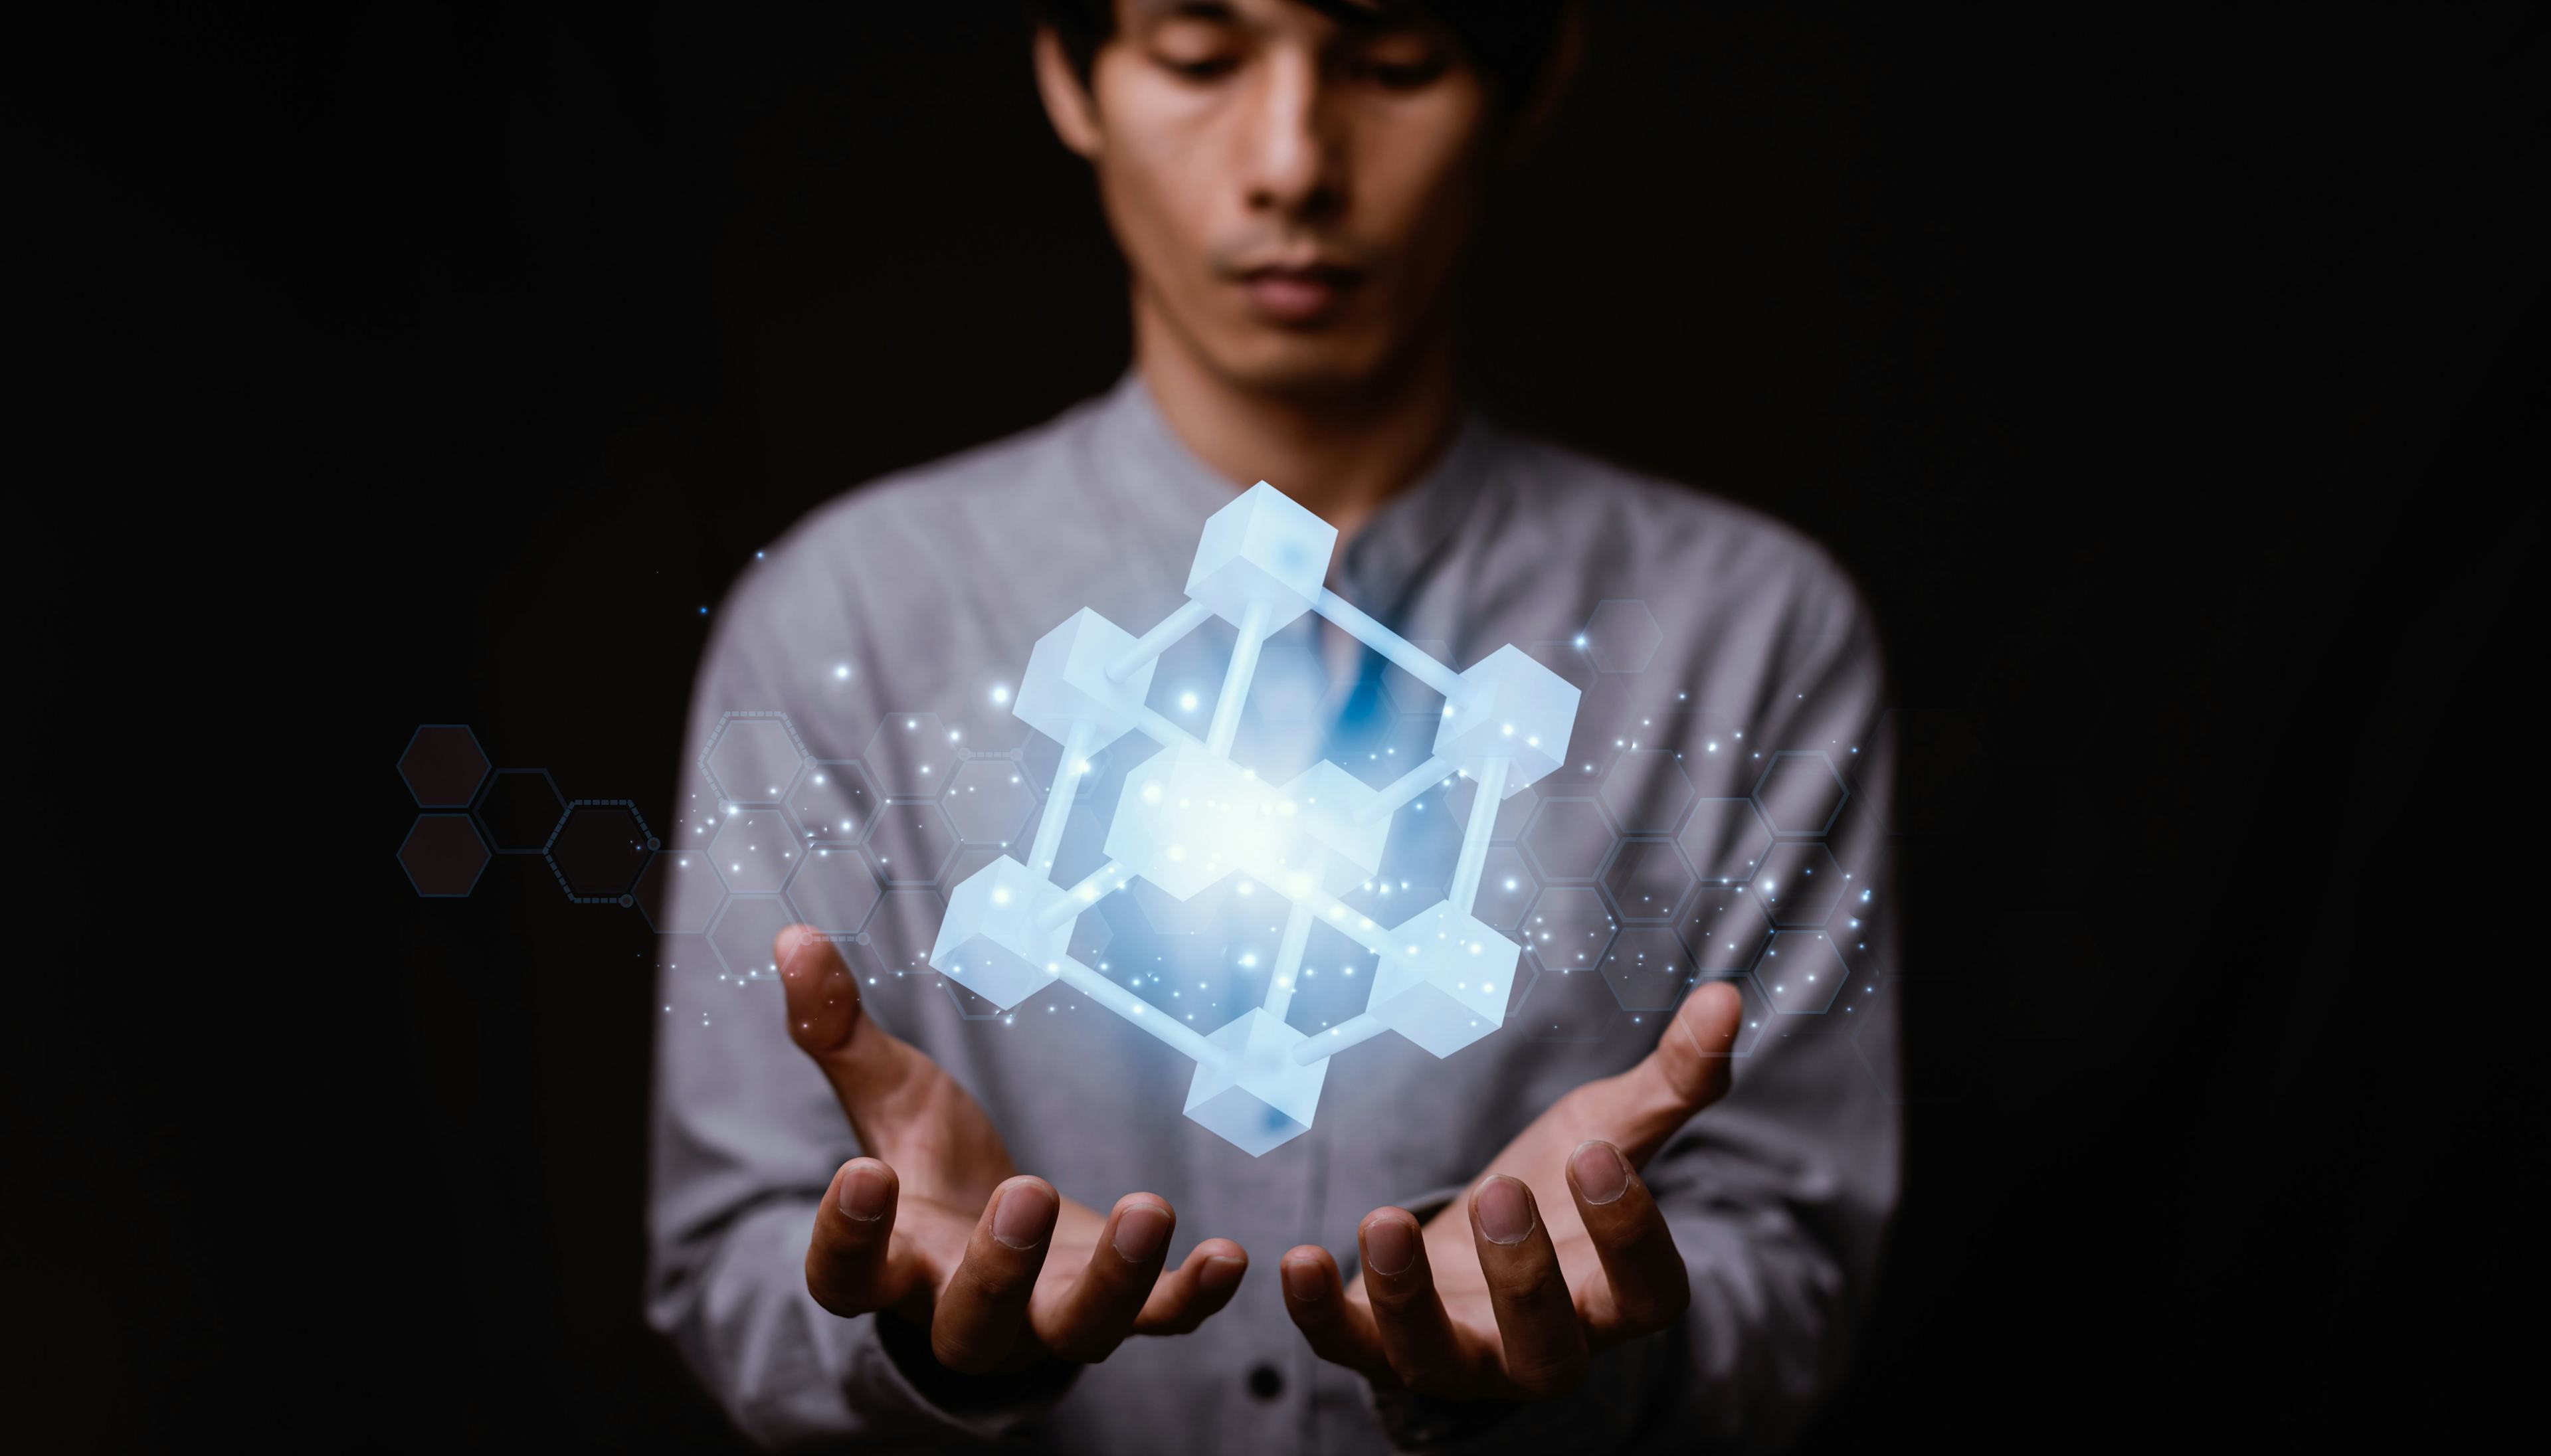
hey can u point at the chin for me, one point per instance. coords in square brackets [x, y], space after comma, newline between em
[1305, 366]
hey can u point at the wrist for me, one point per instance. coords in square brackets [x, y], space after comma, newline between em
[1042, 1380]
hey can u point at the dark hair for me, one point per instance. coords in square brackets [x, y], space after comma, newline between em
[1509, 41]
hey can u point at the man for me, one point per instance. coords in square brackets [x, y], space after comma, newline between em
[1645, 1212]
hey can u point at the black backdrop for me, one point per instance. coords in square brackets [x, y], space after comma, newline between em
[2165, 378]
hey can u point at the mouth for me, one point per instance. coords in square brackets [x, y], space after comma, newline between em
[1297, 294]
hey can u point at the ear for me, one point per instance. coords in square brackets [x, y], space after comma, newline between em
[1067, 105]
[1569, 53]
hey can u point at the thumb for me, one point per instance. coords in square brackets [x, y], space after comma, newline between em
[869, 1067]
[1691, 1068]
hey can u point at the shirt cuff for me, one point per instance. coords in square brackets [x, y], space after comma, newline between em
[896, 1364]
[1602, 1414]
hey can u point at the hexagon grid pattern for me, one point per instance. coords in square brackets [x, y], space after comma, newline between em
[1190, 819]
[1604, 884]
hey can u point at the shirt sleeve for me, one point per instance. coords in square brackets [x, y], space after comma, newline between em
[1780, 1194]
[745, 1133]
[1777, 1195]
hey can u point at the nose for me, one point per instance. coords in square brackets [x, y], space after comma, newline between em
[1292, 166]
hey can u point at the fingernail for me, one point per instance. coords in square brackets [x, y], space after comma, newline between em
[1139, 1232]
[1302, 1281]
[1021, 1219]
[1219, 1271]
[1388, 1247]
[1506, 1214]
[1602, 1175]
[863, 1193]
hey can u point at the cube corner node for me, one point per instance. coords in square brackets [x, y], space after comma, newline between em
[1445, 983]
[1188, 817]
[1262, 549]
[1510, 707]
[1331, 836]
[1258, 1097]
[989, 941]
[1066, 681]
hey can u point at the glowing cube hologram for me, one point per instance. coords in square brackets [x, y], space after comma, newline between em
[1262, 549]
[1444, 982]
[1258, 1097]
[989, 941]
[1066, 682]
[1510, 707]
[1189, 816]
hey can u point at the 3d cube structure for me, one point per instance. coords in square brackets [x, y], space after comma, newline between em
[1259, 1097]
[990, 941]
[1066, 682]
[1189, 816]
[1510, 707]
[1444, 982]
[1265, 549]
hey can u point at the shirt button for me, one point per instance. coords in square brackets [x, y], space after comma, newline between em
[1266, 1383]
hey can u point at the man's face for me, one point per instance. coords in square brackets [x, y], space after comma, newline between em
[1293, 195]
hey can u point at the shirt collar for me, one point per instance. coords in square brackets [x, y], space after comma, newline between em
[1172, 490]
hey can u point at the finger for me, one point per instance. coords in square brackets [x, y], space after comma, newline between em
[847, 1259]
[1645, 1286]
[1337, 1329]
[1544, 1347]
[869, 1067]
[1417, 1338]
[1690, 1069]
[981, 1311]
[1196, 1290]
[1088, 1320]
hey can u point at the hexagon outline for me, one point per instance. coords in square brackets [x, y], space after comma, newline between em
[1027, 791]
[1595, 652]
[727, 720]
[1673, 765]
[1769, 835]
[1621, 846]
[1523, 839]
[628, 896]
[797, 824]
[1774, 767]
[400, 853]
[726, 907]
[487, 765]
[487, 787]
[1781, 919]
[956, 844]
[797, 871]
[728, 821]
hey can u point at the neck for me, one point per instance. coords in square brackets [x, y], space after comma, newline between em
[1340, 454]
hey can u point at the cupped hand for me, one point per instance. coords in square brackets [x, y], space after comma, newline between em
[937, 1226]
[1554, 1252]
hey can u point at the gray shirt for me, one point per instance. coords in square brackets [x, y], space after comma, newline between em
[850, 761]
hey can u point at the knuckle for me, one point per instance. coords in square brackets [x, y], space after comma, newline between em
[994, 1285]
[1530, 1283]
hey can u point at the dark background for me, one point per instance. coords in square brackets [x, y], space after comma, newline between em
[2166, 379]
